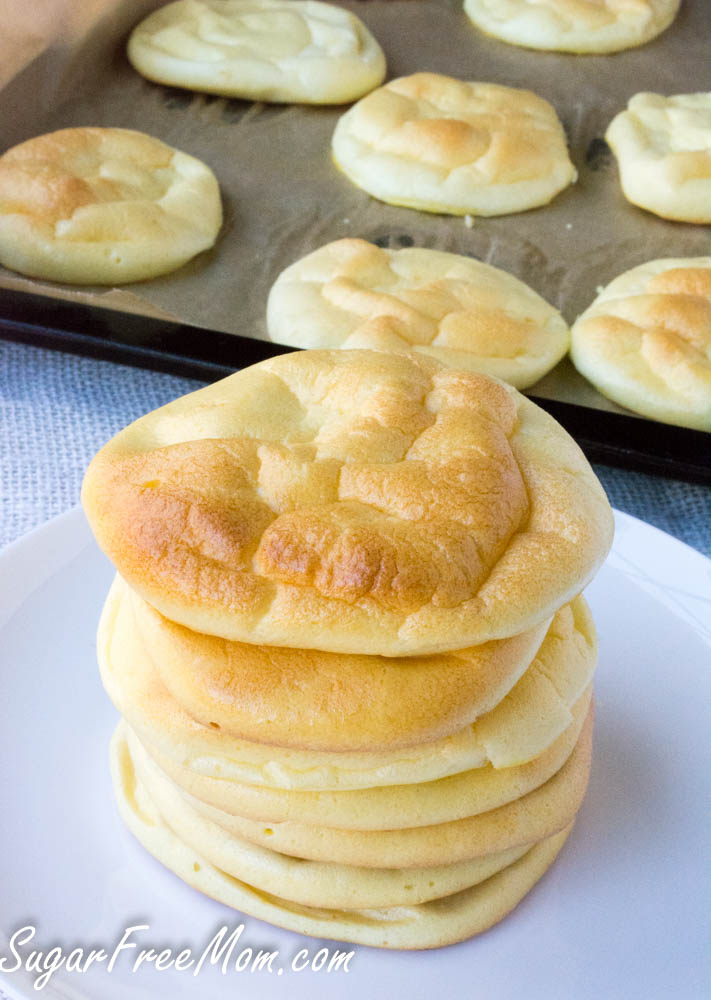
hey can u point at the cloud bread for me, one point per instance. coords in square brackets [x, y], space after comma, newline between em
[663, 149]
[263, 50]
[135, 686]
[427, 925]
[353, 294]
[310, 700]
[438, 144]
[389, 807]
[312, 883]
[584, 26]
[645, 341]
[350, 501]
[534, 816]
[103, 206]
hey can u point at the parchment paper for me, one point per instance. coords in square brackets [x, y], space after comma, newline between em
[283, 197]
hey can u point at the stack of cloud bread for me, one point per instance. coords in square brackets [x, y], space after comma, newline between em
[347, 641]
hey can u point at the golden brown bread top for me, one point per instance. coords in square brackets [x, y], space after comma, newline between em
[350, 501]
[137, 690]
[103, 205]
[529, 719]
[36, 180]
[646, 341]
[440, 144]
[308, 699]
[450, 123]
[663, 149]
[467, 314]
[584, 26]
[261, 50]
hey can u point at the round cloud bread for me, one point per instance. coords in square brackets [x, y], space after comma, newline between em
[352, 294]
[439, 144]
[663, 148]
[389, 807]
[573, 25]
[646, 341]
[536, 815]
[525, 723]
[309, 700]
[263, 50]
[307, 882]
[103, 206]
[425, 925]
[351, 501]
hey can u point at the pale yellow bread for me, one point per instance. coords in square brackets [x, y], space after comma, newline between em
[390, 807]
[309, 882]
[353, 294]
[427, 925]
[351, 501]
[538, 814]
[310, 700]
[263, 50]
[531, 720]
[645, 341]
[438, 144]
[583, 26]
[103, 206]
[663, 150]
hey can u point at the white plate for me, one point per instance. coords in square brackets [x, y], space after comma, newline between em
[624, 912]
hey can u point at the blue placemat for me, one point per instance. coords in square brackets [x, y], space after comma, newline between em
[56, 410]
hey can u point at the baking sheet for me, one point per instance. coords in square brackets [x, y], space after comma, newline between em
[283, 197]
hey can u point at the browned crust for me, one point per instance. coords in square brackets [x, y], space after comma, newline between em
[308, 699]
[397, 508]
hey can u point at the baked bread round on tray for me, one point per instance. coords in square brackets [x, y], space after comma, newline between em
[438, 144]
[263, 50]
[573, 25]
[663, 150]
[645, 342]
[469, 315]
[103, 206]
[351, 501]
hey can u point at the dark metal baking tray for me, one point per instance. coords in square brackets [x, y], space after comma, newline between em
[180, 349]
[273, 215]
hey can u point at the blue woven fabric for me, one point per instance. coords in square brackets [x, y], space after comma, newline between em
[56, 410]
